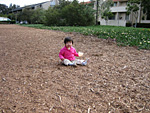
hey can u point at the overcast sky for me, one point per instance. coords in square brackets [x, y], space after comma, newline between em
[26, 2]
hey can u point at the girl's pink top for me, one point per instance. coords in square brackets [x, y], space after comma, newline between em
[68, 54]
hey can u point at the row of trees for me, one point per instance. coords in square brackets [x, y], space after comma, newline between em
[4, 9]
[73, 13]
[70, 14]
[137, 6]
[67, 13]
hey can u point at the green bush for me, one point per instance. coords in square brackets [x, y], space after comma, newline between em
[70, 14]
[38, 16]
[143, 25]
[12, 22]
[32, 16]
[52, 17]
[128, 25]
[8, 22]
[4, 22]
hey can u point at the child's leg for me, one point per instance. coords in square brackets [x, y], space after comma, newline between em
[78, 61]
[85, 62]
[81, 62]
[68, 62]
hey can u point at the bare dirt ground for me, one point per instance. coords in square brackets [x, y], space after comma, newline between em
[33, 80]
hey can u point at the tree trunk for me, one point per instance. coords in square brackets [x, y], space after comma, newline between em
[97, 2]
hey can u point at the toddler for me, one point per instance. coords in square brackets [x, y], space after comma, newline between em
[67, 54]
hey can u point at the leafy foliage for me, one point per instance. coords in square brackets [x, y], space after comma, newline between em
[3, 9]
[70, 14]
[38, 16]
[25, 15]
[105, 10]
[134, 6]
[32, 16]
[146, 7]
[52, 17]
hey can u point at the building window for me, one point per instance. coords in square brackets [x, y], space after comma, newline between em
[115, 4]
[127, 16]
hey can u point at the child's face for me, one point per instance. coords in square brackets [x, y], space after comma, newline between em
[68, 44]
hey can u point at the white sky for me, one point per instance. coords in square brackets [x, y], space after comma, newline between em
[26, 2]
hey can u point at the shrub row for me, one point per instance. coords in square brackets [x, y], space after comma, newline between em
[143, 25]
[8, 22]
[70, 14]
[139, 25]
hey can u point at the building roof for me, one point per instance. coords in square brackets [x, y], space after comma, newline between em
[33, 5]
[86, 2]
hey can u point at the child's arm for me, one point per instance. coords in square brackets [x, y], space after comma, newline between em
[61, 55]
[75, 53]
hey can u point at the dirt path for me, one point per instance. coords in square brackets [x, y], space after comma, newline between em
[32, 79]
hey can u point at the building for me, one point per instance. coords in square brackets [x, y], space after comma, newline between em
[119, 11]
[120, 16]
[43, 5]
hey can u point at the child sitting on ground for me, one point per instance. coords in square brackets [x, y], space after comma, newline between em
[67, 54]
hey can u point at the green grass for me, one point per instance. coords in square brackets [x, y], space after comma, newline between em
[125, 36]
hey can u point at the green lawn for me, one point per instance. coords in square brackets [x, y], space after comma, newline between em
[125, 36]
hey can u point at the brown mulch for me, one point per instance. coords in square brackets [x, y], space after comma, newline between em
[33, 80]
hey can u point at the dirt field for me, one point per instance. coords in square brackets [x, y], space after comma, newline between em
[33, 80]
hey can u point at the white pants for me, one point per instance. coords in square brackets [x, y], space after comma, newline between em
[77, 61]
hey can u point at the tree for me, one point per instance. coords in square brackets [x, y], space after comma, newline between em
[70, 14]
[38, 16]
[105, 10]
[52, 17]
[25, 15]
[12, 16]
[133, 7]
[32, 16]
[12, 7]
[3, 9]
[97, 5]
[146, 7]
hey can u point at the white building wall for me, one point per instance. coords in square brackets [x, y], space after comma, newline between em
[46, 5]
[145, 21]
[121, 17]
[113, 22]
[118, 9]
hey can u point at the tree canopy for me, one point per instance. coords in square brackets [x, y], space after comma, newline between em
[133, 6]
[105, 10]
[146, 7]
[70, 14]
[3, 9]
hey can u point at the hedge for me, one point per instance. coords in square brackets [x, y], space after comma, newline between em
[8, 22]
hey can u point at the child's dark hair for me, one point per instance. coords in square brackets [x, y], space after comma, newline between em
[68, 39]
